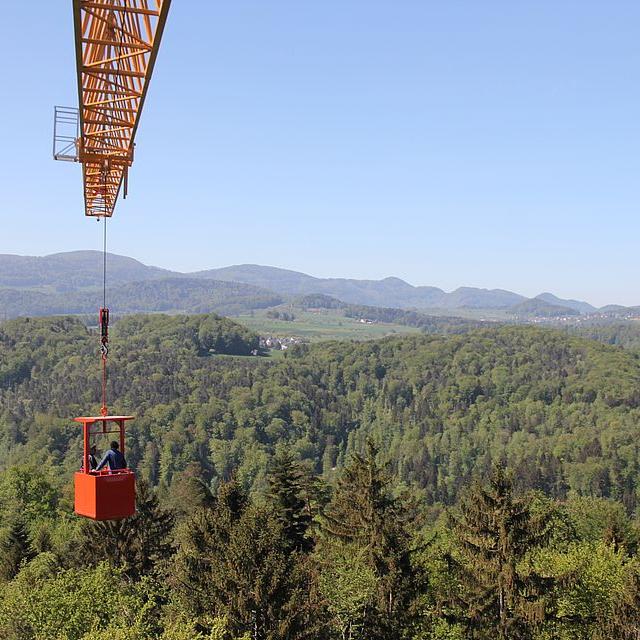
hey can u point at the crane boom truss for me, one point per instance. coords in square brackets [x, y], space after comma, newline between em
[117, 43]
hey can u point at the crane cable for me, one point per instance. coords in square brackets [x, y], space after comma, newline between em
[104, 264]
[106, 171]
[104, 322]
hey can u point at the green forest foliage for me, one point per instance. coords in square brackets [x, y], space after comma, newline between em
[562, 410]
[347, 491]
[368, 564]
[177, 295]
[624, 334]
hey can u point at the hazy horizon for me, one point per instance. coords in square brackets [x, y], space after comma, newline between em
[490, 144]
[343, 276]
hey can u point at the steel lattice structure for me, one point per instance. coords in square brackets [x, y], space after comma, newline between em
[117, 42]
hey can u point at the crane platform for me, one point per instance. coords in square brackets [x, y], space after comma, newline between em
[108, 494]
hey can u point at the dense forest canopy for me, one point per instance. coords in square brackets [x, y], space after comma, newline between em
[563, 410]
[624, 334]
[347, 490]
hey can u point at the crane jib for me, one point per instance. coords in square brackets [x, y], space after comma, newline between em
[117, 43]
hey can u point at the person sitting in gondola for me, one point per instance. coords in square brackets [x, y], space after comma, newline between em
[93, 461]
[114, 458]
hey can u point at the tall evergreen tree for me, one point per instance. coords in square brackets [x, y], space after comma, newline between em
[493, 533]
[14, 549]
[624, 624]
[364, 513]
[202, 541]
[234, 563]
[138, 544]
[286, 495]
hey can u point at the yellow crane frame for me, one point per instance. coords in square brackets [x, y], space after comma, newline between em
[117, 42]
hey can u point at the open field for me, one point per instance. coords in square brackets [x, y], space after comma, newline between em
[320, 325]
[494, 315]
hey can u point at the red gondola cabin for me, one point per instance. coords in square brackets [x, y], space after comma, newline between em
[105, 494]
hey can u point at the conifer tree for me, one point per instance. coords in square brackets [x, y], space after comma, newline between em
[286, 489]
[139, 544]
[234, 563]
[493, 533]
[14, 549]
[624, 624]
[364, 513]
[202, 540]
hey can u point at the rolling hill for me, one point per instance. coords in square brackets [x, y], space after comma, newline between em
[388, 292]
[563, 410]
[72, 270]
[541, 309]
[174, 295]
[66, 283]
[578, 305]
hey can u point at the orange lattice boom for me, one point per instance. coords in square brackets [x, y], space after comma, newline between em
[117, 43]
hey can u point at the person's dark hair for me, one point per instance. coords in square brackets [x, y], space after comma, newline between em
[115, 445]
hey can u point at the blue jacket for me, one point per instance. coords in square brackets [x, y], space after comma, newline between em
[114, 459]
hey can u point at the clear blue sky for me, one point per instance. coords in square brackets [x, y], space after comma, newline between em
[463, 142]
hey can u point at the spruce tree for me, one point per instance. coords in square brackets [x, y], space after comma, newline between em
[286, 496]
[364, 513]
[202, 540]
[493, 533]
[234, 562]
[140, 544]
[15, 549]
[624, 624]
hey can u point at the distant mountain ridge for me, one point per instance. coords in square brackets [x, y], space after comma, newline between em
[72, 272]
[389, 292]
[578, 305]
[170, 295]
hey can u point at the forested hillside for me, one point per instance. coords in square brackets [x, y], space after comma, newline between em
[563, 410]
[332, 494]
[73, 270]
[175, 295]
[624, 334]
[541, 309]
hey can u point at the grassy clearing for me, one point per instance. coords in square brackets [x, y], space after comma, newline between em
[500, 315]
[321, 325]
